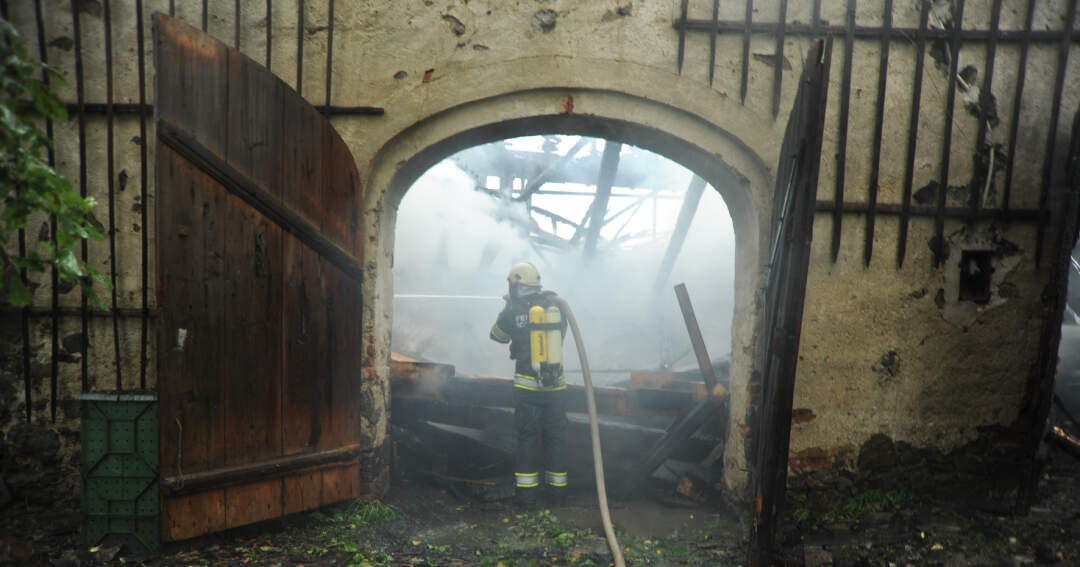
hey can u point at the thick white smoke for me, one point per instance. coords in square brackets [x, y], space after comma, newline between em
[449, 243]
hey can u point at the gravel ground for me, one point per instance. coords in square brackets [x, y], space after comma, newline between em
[423, 524]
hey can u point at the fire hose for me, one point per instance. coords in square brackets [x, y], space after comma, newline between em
[594, 430]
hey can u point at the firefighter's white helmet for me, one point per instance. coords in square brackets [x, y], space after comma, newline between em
[524, 274]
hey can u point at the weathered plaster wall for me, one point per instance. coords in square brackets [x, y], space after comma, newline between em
[457, 72]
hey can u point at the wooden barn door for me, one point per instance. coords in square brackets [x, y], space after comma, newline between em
[792, 223]
[258, 278]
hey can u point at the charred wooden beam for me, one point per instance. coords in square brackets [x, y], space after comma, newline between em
[475, 441]
[698, 342]
[617, 435]
[609, 164]
[537, 182]
[423, 380]
[677, 435]
[555, 217]
[682, 227]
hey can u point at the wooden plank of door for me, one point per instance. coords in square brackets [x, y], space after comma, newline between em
[353, 402]
[252, 334]
[301, 381]
[190, 348]
[250, 503]
[340, 193]
[301, 492]
[196, 64]
[302, 162]
[193, 515]
[340, 483]
[338, 392]
[256, 104]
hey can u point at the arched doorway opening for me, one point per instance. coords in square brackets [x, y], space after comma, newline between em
[611, 227]
[744, 188]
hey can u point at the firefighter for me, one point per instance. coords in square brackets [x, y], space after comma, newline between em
[534, 327]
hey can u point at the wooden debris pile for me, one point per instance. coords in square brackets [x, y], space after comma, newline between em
[663, 433]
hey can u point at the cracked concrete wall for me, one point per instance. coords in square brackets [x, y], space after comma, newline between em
[878, 355]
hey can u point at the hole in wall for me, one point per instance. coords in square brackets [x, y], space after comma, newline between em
[976, 271]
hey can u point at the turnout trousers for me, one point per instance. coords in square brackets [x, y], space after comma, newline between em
[540, 421]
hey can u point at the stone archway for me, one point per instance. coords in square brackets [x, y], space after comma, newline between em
[724, 161]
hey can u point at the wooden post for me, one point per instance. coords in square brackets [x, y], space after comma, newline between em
[704, 363]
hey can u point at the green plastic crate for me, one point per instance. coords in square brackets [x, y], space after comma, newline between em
[120, 470]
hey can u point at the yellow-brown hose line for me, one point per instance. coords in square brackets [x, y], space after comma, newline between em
[594, 430]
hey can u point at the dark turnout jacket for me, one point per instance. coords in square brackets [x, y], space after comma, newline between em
[512, 326]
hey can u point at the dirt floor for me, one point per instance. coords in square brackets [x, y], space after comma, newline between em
[421, 523]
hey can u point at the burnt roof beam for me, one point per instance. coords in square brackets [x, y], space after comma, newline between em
[537, 182]
[682, 227]
[609, 164]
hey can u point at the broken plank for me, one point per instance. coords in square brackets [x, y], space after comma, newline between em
[431, 381]
[696, 340]
[677, 435]
[618, 437]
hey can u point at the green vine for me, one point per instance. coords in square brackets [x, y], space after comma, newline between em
[28, 185]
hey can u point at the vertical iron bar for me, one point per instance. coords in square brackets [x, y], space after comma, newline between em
[172, 7]
[236, 25]
[815, 24]
[712, 39]
[985, 92]
[43, 53]
[111, 168]
[841, 150]
[1055, 114]
[205, 11]
[879, 119]
[24, 322]
[145, 245]
[269, 26]
[1014, 123]
[299, 47]
[329, 49]
[946, 147]
[80, 97]
[778, 68]
[913, 134]
[683, 9]
[746, 50]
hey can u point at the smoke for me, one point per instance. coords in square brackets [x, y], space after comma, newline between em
[453, 240]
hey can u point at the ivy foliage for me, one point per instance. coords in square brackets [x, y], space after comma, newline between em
[28, 185]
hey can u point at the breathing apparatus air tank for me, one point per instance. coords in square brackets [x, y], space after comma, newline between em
[538, 339]
[554, 336]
